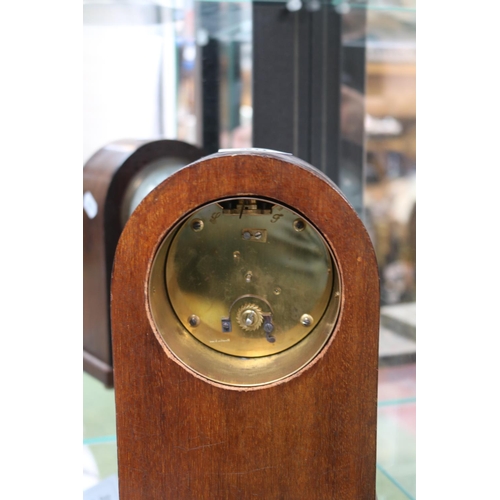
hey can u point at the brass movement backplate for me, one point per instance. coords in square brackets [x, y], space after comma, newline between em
[248, 283]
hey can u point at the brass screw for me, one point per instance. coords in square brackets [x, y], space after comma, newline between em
[194, 320]
[268, 328]
[306, 320]
[277, 290]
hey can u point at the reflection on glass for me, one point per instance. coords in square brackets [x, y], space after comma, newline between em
[128, 73]
[390, 193]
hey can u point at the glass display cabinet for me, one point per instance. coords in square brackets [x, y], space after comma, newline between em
[332, 82]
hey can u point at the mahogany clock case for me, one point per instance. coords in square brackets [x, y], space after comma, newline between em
[109, 176]
[308, 435]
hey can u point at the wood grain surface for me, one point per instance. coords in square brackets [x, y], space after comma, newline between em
[311, 436]
[107, 175]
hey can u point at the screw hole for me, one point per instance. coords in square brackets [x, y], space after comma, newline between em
[197, 225]
[299, 225]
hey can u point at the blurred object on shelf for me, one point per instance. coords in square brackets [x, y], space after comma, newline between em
[401, 318]
[390, 126]
[391, 90]
[382, 126]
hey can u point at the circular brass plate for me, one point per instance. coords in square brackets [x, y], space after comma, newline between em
[247, 250]
[205, 278]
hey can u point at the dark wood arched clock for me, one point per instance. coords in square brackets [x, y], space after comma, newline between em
[245, 318]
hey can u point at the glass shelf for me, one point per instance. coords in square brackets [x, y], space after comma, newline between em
[395, 435]
[344, 5]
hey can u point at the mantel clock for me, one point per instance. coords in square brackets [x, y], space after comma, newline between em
[245, 315]
[115, 179]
